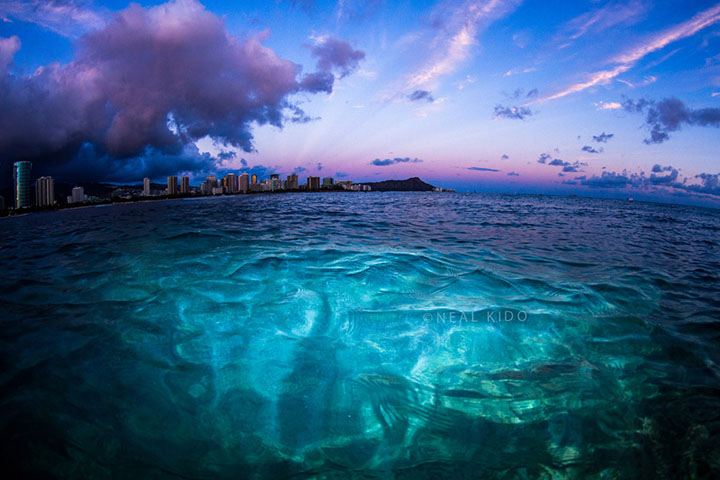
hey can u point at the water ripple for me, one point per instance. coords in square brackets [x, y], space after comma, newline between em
[350, 335]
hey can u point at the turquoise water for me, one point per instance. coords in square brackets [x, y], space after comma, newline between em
[362, 335]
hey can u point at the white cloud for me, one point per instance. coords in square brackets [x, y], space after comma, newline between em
[608, 16]
[69, 18]
[518, 71]
[453, 42]
[627, 60]
[608, 106]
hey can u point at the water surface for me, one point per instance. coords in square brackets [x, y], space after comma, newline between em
[397, 335]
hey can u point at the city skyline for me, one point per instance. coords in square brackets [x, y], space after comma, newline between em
[45, 196]
[597, 98]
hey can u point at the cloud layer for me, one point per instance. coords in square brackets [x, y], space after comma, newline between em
[421, 95]
[669, 115]
[119, 99]
[457, 24]
[512, 113]
[628, 59]
[660, 177]
[68, 18]
[393, 161]
[603, 137]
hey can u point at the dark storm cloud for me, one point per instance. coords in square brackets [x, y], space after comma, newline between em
[226, 155]
[513, 174]
[119, 100]
[512, 113]
[421, 95]
[504, 156]
[341, 175]
[589, 149]
[299, 169]
[603, 137]
[669, 115]
[483, 169]
[89, 164]
[392, 161]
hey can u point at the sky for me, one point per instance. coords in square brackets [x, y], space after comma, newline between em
[588, 97]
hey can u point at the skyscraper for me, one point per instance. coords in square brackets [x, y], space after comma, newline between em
[275, 182]
[292, 182]
[78, 195]
[206, 188]
[146, 187]
[185, 185]
[172, 185]
[253, 179]
[327, 182]
[44, 192]
[243, 183]
[313, 183]
[21, 184]
[230, 183]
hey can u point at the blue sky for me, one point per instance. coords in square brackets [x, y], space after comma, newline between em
[475, 95]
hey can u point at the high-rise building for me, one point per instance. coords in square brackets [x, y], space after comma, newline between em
[292, 182]
[146, 187]
[44, 192]
[230, 183]
[327, 182]
[208, 185]
[243, 183]
[313, 183]
[275, 184]
[253, 179]
[172, 185]
[77, 196]
[185, 184]
[21, 184]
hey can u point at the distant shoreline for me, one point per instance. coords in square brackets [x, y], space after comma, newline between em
[157, 198]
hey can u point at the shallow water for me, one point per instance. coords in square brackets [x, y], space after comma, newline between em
[362, 335]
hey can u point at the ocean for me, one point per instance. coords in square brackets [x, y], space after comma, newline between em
[361, 335]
